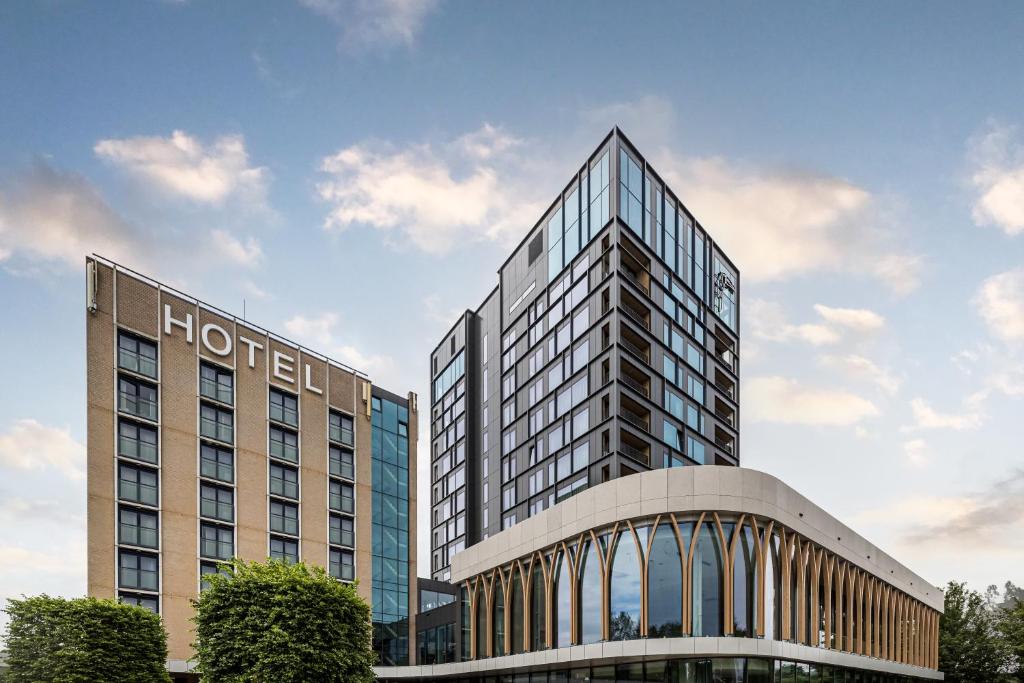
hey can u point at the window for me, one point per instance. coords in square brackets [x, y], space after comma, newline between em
[146, 601]
[665, 578]
[341, 429]
[284, 481]
[216, 542]
[341, 463]
[536, 247]
[589, 596]
[342, 497]
[216, 383]
[624, 591]
[342, 565]
[138, 527]
[138, 571]
[206, 569]
[284, 549]
[137, 398]
[216, 423]
[284, 518]
[136, 441]
[136, 355]
[216, 463]
[284, 444]
[342, 531]
[216, 503]
[137, 485]
[284, 408]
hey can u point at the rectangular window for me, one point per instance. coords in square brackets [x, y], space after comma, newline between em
[206, 569]
[138, 571]
[216, 542]
[284, 408]
[284, 481]
[136, 441]
[342, 565]
[216, 423]
[284, 444]
[216, 463]
[342, 531]
[341, 463]
[145, 601]
[216, 383]
[342, 497]
[137, 355]
[217, 503]
[284, 518]
[341, 429]
[137, 398]
[137, 485]
[284, 549]
[138, 527]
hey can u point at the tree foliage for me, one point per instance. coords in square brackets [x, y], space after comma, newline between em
[1011, 627]
[55, 640]
[281, 622]
[970, 647]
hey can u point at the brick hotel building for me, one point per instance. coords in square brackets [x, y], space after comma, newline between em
[211, 438]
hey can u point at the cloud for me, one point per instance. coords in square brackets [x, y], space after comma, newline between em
[29, 445]
[915, 451]
[767, 321]
[857, 319]
[47, 216]
[21, 511]
[1000, 303]
[367, 24]
[926, 417]
[248, 254]
[782, 400]
[13, 558]
[996, 158]
[434, 196]
[860, 367]
[320, 333]
[180, 165]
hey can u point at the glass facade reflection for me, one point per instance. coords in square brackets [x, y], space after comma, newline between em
[390, 529]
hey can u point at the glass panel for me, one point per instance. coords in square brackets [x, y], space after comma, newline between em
[624, 614]
[562, 603]
[707, 582]
[517, 613]
[538, 625]
[665, 585]
[589, 596]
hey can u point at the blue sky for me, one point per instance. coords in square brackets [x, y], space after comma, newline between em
[863, 164]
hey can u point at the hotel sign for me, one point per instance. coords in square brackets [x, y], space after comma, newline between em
[218, 341]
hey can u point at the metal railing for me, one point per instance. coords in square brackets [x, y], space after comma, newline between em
[634, 349]
[634, 384]
[634, 419]
[636, 315]
[635, 453]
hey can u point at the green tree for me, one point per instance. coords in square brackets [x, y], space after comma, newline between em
[281, 622]
[55, 640]
[970, 647]
[1011, 628]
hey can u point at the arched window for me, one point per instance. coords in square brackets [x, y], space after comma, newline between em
[771, 587]
[664, 585]
[538, 625]
[562, 603]
[625, 598]
[482, 626]
[466, 616]
[498, 618]
[590, 594]
[517, 612]
[707, 582]
[744, 584]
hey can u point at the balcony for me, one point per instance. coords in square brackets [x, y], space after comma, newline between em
[634, 447]
[724, 440]
[634, 413]
[635, 344]
[635, 309]
[634, 378]
[724, 412]
[634, 271]
[725, 385]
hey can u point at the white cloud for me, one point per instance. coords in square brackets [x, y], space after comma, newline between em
[856, 319]
[434, 196]
[375, 23]
[181, 165]
[13, 558]
[916, 453]
[863, 368]
[47, 216]
[248, 253]
[320, 334]
[766, 320]
[777, 399]
[926, 417]
[20, 511]
[29, 445]
[997, 176]
[1000, 303]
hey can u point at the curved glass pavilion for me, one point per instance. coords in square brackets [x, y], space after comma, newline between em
[661, 575]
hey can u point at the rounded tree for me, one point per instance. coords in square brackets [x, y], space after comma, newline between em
[281, 622]
[85, 639]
